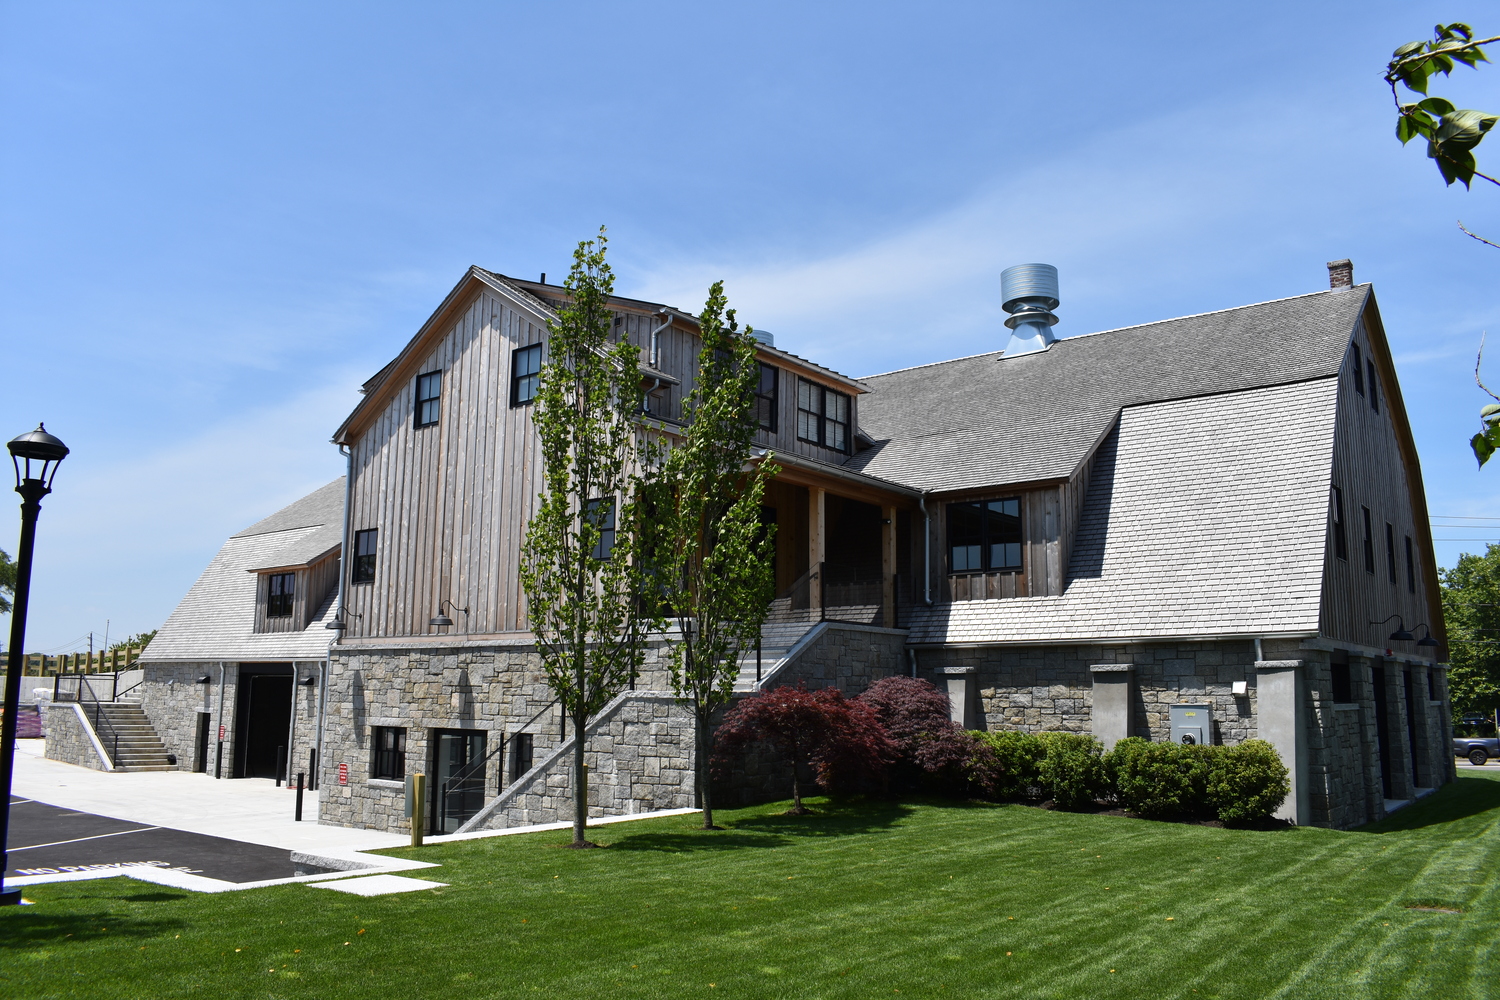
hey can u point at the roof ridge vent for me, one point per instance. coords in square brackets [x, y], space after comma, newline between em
[1029, 294]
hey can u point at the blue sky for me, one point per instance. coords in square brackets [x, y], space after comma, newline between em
[218, 220]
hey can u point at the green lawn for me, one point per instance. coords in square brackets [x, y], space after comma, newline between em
[858, 901]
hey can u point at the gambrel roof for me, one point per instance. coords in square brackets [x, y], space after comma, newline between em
[1204, 517]
[990, 420]
[216, 619]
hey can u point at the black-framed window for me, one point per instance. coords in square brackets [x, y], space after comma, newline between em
[1390, 552]
[1359, 369]
[985, 536]
[525, 374]
[1340, 540]
[1343, 687]
[822, 415]
[1374, 386]
[765, 397]
[364, 556]
[521, 754]
[1411, 568]
[1369, 541]
[281, 589]
[429, 399]
[601, 514]
[389, 758]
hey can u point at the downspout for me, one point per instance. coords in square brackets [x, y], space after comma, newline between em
[926, 553]
[656, 339]
[1259, 653]
[342, 616]
[219, 757]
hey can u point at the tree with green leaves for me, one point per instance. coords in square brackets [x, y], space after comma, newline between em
[1452, 135]
[580, 562]
[1471, 610]
[714, 551]
[7, 581]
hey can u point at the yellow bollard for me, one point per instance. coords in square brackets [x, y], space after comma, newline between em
[418, 806]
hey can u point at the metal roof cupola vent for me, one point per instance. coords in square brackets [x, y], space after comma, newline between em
[1029, 293]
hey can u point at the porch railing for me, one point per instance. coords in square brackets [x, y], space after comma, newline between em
[828, 594]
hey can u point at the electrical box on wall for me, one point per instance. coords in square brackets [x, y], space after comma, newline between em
[1192, 724]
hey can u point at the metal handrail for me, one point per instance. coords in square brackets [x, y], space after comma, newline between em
[101, 718]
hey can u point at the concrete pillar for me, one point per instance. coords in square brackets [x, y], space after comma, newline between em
[816, 546]
[888, 566]
[963, 695]
[1282, 722]
[1114, 689]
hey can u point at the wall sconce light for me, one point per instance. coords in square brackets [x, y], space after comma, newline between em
[441, 620]
[1400, 635]
[1427, 639]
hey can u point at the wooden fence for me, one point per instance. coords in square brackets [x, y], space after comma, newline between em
[102, 661]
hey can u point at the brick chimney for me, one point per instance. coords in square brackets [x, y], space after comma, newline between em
[1340, 275]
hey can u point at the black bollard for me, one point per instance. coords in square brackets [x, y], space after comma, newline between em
[299, 796]
[280, 764]
[312, 769]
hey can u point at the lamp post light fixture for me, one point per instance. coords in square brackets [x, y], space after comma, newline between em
[36, 457]
[441, 620]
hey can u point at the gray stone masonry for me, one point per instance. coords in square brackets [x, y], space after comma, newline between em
[639, 758]
[172, 699]
[68, 737]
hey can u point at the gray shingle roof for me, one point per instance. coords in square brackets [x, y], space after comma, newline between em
[214, 621]
[1204, 517]
[986, 420]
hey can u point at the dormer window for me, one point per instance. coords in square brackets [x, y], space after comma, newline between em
[822, 415]
[765, 398]
[429, 399]
[280, 592]
[985, 536]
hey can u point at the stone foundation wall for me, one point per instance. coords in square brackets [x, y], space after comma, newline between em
[171, 698]
[67, 737]
[848, 657]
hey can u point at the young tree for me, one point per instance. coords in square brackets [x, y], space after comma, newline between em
[7, 581]
[1471, 609]
[579, 560]
[838, 738]
[715, 557]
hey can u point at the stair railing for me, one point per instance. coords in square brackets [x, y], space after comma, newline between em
[106, 731]
[462, 779]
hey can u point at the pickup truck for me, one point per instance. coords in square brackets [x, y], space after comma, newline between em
[1477, 748]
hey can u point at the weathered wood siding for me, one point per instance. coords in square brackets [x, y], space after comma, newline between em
[311, 586]
[1373, 470]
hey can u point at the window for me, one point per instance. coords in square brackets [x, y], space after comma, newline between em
[601, 514]
[1374, 387]
[525, 374]
[765, 398]
[389, 743]
[984, 536]
[1390, 552]
[1359, 373]
[822, 415]
[364, 556]
[1340, 540]
[1411, 568]
[1343, 688]
[520, 755]
[282, 587]
[1369, 542]
[429, 399]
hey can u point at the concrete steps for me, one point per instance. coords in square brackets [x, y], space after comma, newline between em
[129, 738]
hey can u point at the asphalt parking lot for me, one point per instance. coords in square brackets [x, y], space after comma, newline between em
[46, 839]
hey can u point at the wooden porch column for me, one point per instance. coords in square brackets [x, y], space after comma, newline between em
[816, 548]
[888, 566]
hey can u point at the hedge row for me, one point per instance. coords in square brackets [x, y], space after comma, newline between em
[1237, 784]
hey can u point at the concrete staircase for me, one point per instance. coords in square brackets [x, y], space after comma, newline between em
[138, 748]
[776, 642]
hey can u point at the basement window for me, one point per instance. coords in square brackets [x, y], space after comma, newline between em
[281, 588]
[521, 753]
[389, 761]
[429, 399]
[985, 536]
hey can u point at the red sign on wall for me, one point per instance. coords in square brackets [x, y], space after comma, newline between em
[221, 733]
[343, 774]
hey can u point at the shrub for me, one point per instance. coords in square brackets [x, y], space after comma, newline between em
[840, 739]
[1073, 769]
[1247, 782]
[1156, 780]
[1015, 760]
[908, 707]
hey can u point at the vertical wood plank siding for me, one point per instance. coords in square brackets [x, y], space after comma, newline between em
[1371, 470]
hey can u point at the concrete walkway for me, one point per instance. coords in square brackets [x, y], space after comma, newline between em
[253, 810]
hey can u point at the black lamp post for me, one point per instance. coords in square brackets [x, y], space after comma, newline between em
[36, 457]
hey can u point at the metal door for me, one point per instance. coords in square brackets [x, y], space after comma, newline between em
[458, 777]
